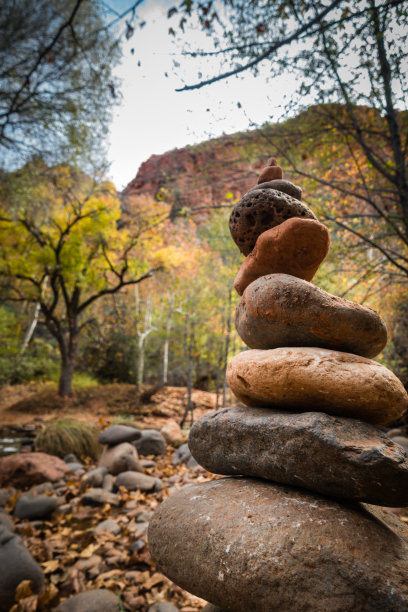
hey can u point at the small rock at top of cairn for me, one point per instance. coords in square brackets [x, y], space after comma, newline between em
[304, 441]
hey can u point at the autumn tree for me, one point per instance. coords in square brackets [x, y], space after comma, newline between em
[64, 245]
[350, 59]
[56, 75]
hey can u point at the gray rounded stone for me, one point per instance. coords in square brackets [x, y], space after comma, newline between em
[259, 210]
[120, 458]
[151, 443]
[115, 434]
[99, 497]
[35, 507]
[98, 600]
[281, 310]
[16, 564]
[402, 441]
[335, 456]
[163, 606]
[245, 544]
[94, 478]
[281, 185]
[133, 481]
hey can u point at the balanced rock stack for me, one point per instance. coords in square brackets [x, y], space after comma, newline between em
[291, 533]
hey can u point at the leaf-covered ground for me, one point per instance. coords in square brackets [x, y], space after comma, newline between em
[75, 558]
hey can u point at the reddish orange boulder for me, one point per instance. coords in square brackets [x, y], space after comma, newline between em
[26, 469]
[296, 247]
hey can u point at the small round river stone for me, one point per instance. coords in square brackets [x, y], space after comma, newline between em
[338, 457]
[281, 310]
[259, 210]
[245, 544]
[305, 378]
[296, 247]
[281, 185]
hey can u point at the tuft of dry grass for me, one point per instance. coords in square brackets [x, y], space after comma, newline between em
[65, 436]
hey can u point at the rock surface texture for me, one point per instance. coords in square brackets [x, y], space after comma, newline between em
[288, 531]
[27, 469]
[307, 378]
[335, 456]
[296, 247]
[269, 547]
[281, 310]
[259, 210]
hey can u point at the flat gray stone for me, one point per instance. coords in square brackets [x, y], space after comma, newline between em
[99, 497]
[335, 456]
[94, 478]
[151, 443]
[133, 481]
[108, 525]
[115, 434]
[16, 564]
[246, 544]
[98, 600]
[35, 507]
[163, 606]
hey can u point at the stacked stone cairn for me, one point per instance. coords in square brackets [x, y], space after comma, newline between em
[295, 525]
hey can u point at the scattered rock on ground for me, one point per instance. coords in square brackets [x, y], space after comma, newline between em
[163, 606]
[108, 482]
[108, 525]
[181, 455]
[75, 467]
[5, 520]
[136, 480]
[94, 478]
[120, 458]
[271, 547]
[402, 441]
[98, 600]
[335, 456]
[172, 433]
[151, 443]
[279, 310]
[99, 497]
[5, 495]
[147, 463]
[71, 458]
[115, 434]
[27, 469]
[35, 507]
[309, 378]
[16, 565]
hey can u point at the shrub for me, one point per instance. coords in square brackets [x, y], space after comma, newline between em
[65, 436]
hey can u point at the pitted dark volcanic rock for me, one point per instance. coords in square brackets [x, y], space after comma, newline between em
[258, 211]
[296, 247]
[301, 379]
[281, 185]
[334, 456]
[245, 544]
[280, 310]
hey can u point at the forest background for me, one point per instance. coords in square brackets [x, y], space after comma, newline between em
[99, 286]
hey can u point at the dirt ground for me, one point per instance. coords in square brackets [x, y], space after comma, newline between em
[36, 403]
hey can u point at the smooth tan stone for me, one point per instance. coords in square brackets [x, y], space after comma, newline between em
[281, 185]
[296, 247]
[281, 310]
[306, 378]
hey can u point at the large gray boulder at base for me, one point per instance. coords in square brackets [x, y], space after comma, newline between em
[335, 456]
[281, 310]
[244, 544]
[308, 378]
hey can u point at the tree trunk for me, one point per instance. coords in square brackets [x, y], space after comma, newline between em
[65, 381]
[226, 347]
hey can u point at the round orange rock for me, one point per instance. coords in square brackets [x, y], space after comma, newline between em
[296, 246]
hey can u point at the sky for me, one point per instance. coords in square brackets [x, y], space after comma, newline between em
[153, 118]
